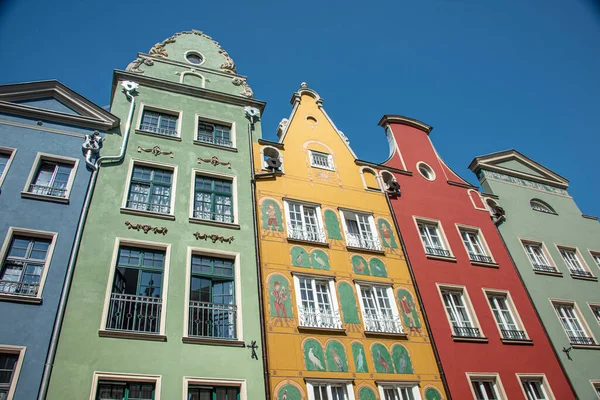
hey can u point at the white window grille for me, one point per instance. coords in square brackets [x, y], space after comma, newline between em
[573, 263]
[432, 240]
[399, 392]
[379, 309]
[534, 389]
[538, 258]
[505, 319]
[321, 160]
[485, 389]
[304, 222]
[317, 305]
[329, 391]
[572, 325]
[360, 230]
[537, 205]
[474, 246]
[460, 318]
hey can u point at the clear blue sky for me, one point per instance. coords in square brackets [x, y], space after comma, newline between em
[487, 75]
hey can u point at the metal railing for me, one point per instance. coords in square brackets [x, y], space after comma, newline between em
[382, 323]
[322, 318]
[581, 340]
[139, 205]
[157, 130]
[213, 216]
[20, 288]
[312, 234]
[480, 258]
[356, 240]
[544, 268]
[212, 320]
[47, 190]
[436, 251]
[513, 334]
[581, 272]
[463, 331]
[133, 313]
[212, 140]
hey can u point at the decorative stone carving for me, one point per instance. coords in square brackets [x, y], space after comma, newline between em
[228, 65]
[134, 66]
[247, 92]
[92, 142]
[213, 237]
[146, 228]
[158, 50]
[303, 85]
[282, 126]
[344, 137]
[214, 160]
[252, 113]
[156, 151]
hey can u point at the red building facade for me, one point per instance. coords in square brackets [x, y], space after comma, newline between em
[490, 342]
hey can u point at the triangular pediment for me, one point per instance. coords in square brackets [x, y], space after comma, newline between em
[49, 104]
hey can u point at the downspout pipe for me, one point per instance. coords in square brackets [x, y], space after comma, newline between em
[129, 88]
[418, 293]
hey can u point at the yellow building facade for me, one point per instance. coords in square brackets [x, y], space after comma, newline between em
[342, 318]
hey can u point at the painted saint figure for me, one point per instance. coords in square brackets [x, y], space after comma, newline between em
[280, 295]
[272, 221]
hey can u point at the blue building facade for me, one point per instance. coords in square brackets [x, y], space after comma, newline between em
[43, 183]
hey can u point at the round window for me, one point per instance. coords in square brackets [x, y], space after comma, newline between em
[194, 58]
[426, 171]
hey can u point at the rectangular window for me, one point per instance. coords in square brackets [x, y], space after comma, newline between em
[304, 222]
[24, 265]
[213, 199]
[572, 324]
[534, 388]
[473, 243]
[213, 133]
[212, 309]
[432, 240]
[575, 264]
[379, 309]
[502, 308]
[115, 390]
[150, 189]
[5, 160]
[398, 392]
[159, 123]
[329, 391]
[136, 297]
[321, 160]
[596, 386]
[317, 304]
[485, 389]
[207, 392]
[360, 230]
[8, 366]
[596, 311]
[596, 257]
[459, 314]
[51, 179]
[538, 257]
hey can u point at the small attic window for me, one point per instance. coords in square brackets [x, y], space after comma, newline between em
[194, 57]
[538, 205]
[426, 171]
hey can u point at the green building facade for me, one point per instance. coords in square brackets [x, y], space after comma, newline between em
[164, 302]
[556, 250]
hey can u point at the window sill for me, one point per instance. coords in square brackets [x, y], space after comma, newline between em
[352, 248]
[27, 195]
[386, 335]
[150, 214]
[132, 335]
[331, 331]
[20, 299]
[526, 342]
[323, 168]
[215, 146]
[586, 346]
[484, 264]
[559, 274]
[372, 189]
[324, 244]
[585, 278]
[214, 223]
[213, 342]
[158, 135]
[481, 339]
[441, 258]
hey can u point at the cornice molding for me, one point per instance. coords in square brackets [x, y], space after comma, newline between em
[198, 68]
[400, 119]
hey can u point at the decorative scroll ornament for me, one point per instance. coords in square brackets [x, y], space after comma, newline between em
[228, 65]
[247, 92]
[157, 151]
[146, 228]
[214, 160]
[213, 237]
[134, 66]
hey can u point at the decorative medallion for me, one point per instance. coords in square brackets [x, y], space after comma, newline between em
[146, 228]
[214, 160]
[213, 237]
[156, 151]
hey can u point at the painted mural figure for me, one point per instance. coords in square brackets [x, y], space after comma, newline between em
[407, 307]
[272, 216]
[387, 235]
[272, 221]
[280, 295]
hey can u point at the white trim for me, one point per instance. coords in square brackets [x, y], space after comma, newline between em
[384, 184]
[593, 306]
[469, 192]
[413, 386]
[372, 226]
[376, 176]
[189, 380]
[440, 229]
[196, 52]
[466, 299]
[125, 377]
[594, 254]
[219, 121]
[330, 163]
[329, 382]
[11, 155]
[512, 309]
[578, 257]
[487, 376]
[428, 168]
[480, 237]
[578, 315]
[183, 74]
[332, 292]
[262, 157]
[544, 384]
[20, 350]
[41, 157]
[545, 252]
[163, 110]
[234, 194]
[596, 385]
[318, 216]
[389, 291]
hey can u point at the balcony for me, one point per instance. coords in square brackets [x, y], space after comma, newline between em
[19, 288]
[462, 331]
[212, 140]
[321, 318]
[512, 334]
[212, 320]
[158, 131]
[213, 216]
[480, 258]
[581, 340]
[47, 190]
[131, 313]
[382, 324]
[361, 242]
[437, 251]
[544, 268]
[581, 273]
[309, 234]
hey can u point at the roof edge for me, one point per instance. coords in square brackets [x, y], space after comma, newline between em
[400, 119]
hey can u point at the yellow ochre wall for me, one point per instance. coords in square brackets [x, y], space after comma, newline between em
[310, 128]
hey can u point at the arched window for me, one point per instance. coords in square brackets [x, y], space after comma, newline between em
[389, 182]
[496, 211]
[269, 157]
[538, 205]
[370, 179]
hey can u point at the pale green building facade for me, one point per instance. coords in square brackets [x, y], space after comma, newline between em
[164, 303]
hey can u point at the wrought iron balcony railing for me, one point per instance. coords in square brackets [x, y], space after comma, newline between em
[436, 251]
[157, 208]
[157, 130]
[356, 240]
[581, 272]
[212, 140]
[544, 268]
[213, 216]
[212, 320]
[513, 334]
[311, 234]
[47, 190]
[321, 318]
[133, 313]
[480, 258]
[463, 331]
[20, 288]
[581, 340]
[382, 323]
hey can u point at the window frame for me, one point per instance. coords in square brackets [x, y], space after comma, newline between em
[482, 244]
[413, 386]
[442, 235]
[193, 381]
[393, 305]
[310, 383]
[373, 229]
[468, 304]
[52, 158]
[20, 352]
[551, 264]
[11, 152]
[216, 121]
[545, 384]
[330, 161]
[161, 110]
[595, 254]
[580, 319]
[127, 242]
[377, 179]
[543, 204]
[593, 307]
[318, 219]
[146, 213]
[579, 257]
[234, 197]
[335, 309]
[31, 233]
[487, 376]
[125, 377]
[235, 256]
[596, 386]
[512, 309]
[429, 170]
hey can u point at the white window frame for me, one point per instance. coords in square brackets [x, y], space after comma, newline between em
[262, 158]
[335, 311]
[192, 381]
[593, 253]
[376, 243]
[20, 351]
[596, 385]
[412, 386]
[330, 164]
[37, 162]
[470, 311]
[545, 386]
[427, 167]
[396, 326]
[386, 183]
[150, 164]
[12, 232]
[541, 204]
[304, 232]
[545, 253]
[162, 110]
[487, 376]
[578, 316]
[582, 268]
[595, 309]
[329, 382]
[512, 309]
[364, 181]
[120, 241]
[481, 242]
[440, 233]
[125, 377]
[234, 198]
[219, 121]
[11, 156]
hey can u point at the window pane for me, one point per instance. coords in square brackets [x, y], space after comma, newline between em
[3, 162]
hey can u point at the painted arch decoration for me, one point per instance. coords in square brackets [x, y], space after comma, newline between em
[381, 359]
[387, 233]
[335, 354]
[300, 257]
[289, 390]
[333, 225]
[360, 358]
[402, 362]
[314, 358]
[377, 267]
[432, 393]
[272, 217]
[319, 260]
[360, 265]
[348, 302]
[366, 393]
